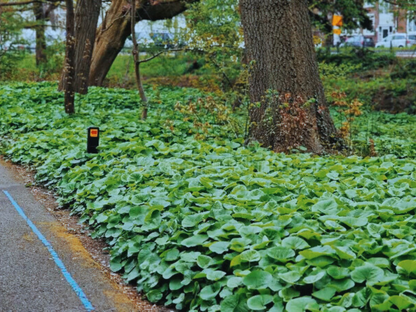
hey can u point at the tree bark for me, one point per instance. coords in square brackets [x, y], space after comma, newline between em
[86, 19]
[42, 14]
[38, 11]
[116, 27]
[69, 68]
[289, 109]
[136, 58]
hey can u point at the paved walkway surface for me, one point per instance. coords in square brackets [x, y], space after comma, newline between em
[30, 279]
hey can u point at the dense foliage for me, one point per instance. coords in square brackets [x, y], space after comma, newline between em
[366, 58]
[11, 45]
[212, 225]
[379, 80]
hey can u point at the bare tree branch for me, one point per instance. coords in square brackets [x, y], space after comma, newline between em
[159, 53]
[104, 29]
[152, 57]
[391, 2]
[51, 8]
[19, 3]
[26, 2]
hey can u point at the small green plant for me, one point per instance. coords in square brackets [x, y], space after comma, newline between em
[208, 113]
[349, 110]
[55, 54]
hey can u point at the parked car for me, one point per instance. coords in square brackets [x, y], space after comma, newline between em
[411, 36]
[167, 40]
[397, 40]
[143, 40]
[358, 41]
[12, 46]
[163, 39]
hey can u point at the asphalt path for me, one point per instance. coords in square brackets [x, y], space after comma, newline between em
[31, 278]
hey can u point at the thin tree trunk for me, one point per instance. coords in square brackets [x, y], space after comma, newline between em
[135, 53]
[289, 108]
[69, 68]
[86, 19]
[116, 27]
[40, 18]
[111, 36]
[126, 75]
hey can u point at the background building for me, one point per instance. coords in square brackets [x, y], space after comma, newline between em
[387, 19]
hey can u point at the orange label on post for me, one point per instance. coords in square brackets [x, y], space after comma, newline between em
[337, 31]
[337, 20]
[94, 133]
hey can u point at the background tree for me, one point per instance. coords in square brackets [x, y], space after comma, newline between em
[42, 11]
[289, 108]
[116, 27]
[136, 59]
[80, 28]
[10, 41]
[69, 68]
[214, 31]
[86, 19]
[213, 23]
[40, 17]
[354, 15]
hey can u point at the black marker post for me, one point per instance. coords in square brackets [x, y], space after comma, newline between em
[93, 140]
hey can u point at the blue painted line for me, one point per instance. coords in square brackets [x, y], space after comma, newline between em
[55, 256]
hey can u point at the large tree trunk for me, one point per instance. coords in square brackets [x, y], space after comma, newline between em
[38, 11]
[116, 27]
[289, 108]
[86, 19]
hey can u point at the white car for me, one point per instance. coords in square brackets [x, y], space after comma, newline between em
[412, 37]
[398, 40]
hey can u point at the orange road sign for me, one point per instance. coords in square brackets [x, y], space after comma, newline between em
[93, 140]
[337, 20]
[94, 133]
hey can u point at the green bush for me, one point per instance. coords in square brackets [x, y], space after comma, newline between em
[390, 89]
[9, 61]
[367, 58]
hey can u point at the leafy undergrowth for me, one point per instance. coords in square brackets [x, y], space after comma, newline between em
[391, 134]
[214, 226]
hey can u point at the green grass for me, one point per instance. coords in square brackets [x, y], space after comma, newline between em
[174, 64]
[165, 65]
[28, 63]
[167, 69]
